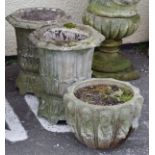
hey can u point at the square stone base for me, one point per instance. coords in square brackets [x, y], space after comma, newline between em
[51, 107]
[29, 82]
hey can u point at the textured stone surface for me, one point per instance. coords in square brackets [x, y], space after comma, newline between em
[102, 126]
[111, 27]
[42, 142]
[29, 82]
[51, 107]
[65, 57]
[26, 21]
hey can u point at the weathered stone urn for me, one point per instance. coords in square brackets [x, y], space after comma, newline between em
[115, 19]
[25, 21]
[100, 126]
[65, 54]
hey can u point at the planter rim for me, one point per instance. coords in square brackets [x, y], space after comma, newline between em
[16, 19]
[126, 2]
[93, 38]
[112, 8]
[70, 93]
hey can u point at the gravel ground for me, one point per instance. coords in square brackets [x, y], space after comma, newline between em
[43, 142]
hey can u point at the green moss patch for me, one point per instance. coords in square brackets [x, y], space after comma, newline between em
[70, 25]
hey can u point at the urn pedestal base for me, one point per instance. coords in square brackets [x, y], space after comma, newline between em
[51, 108]
[108, 62]
[28, 82]
[126, 75]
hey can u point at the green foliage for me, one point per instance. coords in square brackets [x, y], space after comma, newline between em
[126, 96]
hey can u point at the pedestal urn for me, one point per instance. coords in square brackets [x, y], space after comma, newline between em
[103, 112]
[26, 21]
[115, 19]
[65, 54]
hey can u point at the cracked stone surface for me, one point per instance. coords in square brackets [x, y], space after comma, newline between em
[42, 142]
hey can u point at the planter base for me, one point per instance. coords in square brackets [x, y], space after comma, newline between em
[28, 83]
[115, 144]
[108, 62]
[51, 108]
[126, 75]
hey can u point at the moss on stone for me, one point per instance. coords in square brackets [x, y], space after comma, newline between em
[51, 108]
[69, 25]
[126, 75]
[29, 82]
[113, 62]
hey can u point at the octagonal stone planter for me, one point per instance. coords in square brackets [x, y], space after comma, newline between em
[26, 21]
[99, 126]
[65, 57]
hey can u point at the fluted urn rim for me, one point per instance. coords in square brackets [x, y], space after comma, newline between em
[61, 38]
[70, 95]
[35, 17]
[113, 8]
[126, 2]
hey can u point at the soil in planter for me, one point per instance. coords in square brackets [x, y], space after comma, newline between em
[63, 37]
[105, 95]
[41, 15]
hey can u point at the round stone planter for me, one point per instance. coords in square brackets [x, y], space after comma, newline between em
[115, 19]
[25, 21]
[65, 57]
[100, 126]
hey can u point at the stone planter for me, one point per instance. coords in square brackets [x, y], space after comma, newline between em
[65, 57]
[100, 126]
[25, 21]
[115, 19]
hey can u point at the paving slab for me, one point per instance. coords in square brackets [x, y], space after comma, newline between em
[41, 141]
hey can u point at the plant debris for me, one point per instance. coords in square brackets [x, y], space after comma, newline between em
[104, 94]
